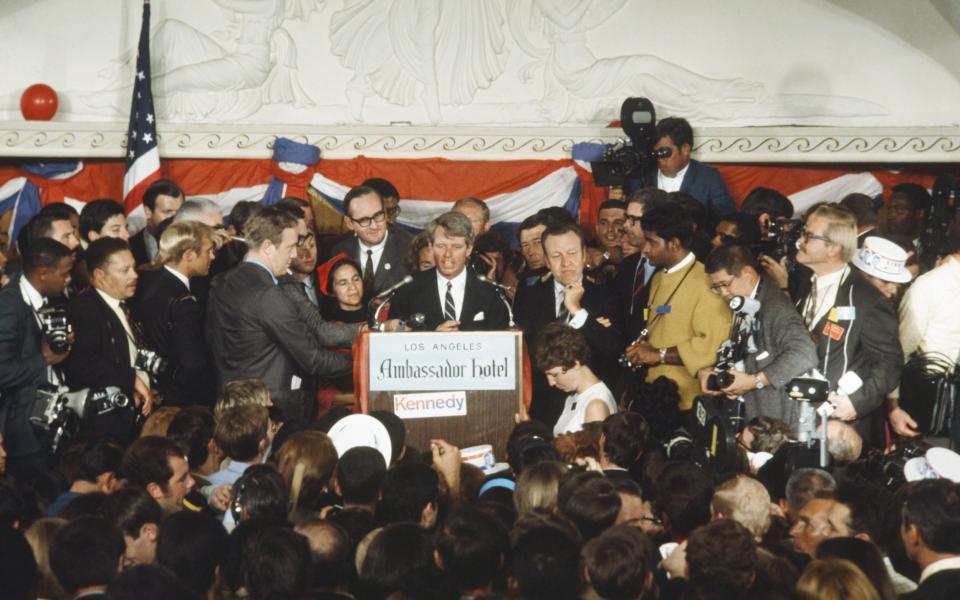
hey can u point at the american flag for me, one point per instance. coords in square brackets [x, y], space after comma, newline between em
[142, 156]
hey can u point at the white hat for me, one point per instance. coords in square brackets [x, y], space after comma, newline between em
[883, 259]
[353, 431]
[482, 456]
[937, 463]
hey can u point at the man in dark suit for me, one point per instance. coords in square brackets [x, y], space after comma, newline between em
[161, 200]
[930, 531]
[450, 295]
[105, 350]
[676, 172]
[378, 249]
[852, 323]
[25, 357]
[567, 296]
[784, 349]
[635, 271]
[255, 331]
[172, 317]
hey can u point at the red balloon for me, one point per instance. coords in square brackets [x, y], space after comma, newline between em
[39, 102]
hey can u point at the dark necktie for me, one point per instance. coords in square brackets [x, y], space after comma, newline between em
[449, 308]
[134, 325]
[563, 314]
[810, 312]
[368, 273]
[639, 283]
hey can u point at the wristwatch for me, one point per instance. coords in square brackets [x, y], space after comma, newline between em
[757, 383]
[663, 356]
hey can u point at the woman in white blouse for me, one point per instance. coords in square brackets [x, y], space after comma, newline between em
[562, 354]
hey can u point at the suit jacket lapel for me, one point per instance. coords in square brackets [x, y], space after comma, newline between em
[386, 265]
[470, 292]
[121, 344]
[432, 302]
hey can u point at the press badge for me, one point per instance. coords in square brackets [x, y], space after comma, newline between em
[846, 313]
[833, 331]
[663, 309]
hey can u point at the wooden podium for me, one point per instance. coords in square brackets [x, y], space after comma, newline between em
[463, 387]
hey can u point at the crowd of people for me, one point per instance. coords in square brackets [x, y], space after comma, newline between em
[176, 406]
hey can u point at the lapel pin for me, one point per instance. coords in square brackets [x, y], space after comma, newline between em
[386, 266]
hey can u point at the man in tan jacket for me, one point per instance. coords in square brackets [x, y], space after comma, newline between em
[686, 322]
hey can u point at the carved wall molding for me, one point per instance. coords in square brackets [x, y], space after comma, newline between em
[39, 140]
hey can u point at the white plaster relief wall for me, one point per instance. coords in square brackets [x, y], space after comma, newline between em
[224, 66]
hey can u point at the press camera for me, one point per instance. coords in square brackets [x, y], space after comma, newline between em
[56, 328]
[58, 414]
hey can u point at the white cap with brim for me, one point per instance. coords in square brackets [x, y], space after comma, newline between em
[361, 430]
[883, 259]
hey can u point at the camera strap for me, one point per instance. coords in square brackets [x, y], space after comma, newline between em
[658, 314]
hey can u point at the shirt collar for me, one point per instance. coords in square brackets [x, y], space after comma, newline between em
[679, 174]
[110, 300]
[830, 278]
[30, 294]
[944, 564]
[689, 258]
[756, 288]
[459, 281]
[559, 287]
[376, 247]
[254, 261]
[183, 278]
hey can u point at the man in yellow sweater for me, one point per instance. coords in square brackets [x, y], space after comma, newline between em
[686, 322]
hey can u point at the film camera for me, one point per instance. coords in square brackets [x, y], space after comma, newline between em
[734, 350]
[56, 328]
[781, 241]
[633, 158]
[59, 414]
[150, 362]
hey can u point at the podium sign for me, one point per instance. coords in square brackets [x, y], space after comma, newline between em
[464, 387]
[441, 361]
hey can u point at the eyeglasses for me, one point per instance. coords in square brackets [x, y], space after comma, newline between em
[631, 220]
[365, 222]
[806, 235]
[303, 239]
[392, 211]
[715, 288]
[651, 520]
[728, 239]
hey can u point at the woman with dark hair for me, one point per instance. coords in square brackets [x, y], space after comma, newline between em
[562, 354]
[341, 282]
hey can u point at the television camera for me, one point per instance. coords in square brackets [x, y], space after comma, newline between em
[634, 157]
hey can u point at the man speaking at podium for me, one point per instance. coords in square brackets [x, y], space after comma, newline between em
[450, 296]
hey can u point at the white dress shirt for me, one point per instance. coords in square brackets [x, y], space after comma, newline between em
[826, 298]
[114, 305]
[35, 301]
[375, 257]
[578, 318]
[671, 184]
[458, 290]
[928, 319]
[944, 564]
[689, 258]
[183, 278]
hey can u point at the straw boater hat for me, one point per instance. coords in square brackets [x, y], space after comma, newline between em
[883, 259]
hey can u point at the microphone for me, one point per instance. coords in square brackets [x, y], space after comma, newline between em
[484, 279]
[407, 279]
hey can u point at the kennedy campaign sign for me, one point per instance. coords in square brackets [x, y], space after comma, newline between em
[440, 361]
